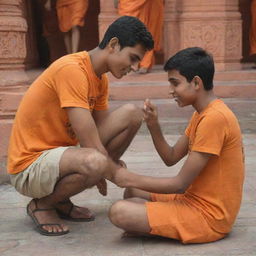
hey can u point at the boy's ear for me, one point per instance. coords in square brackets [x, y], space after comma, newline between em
[197, 82]
[113, 44]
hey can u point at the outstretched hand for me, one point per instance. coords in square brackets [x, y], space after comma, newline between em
[102, 187]
[150, 114]
[122, 163]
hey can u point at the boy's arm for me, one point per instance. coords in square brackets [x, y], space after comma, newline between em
[194, 164]
[85, 128]
[170, 155]
[99, 115]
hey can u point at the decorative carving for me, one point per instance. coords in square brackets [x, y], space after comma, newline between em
[12, 46]
[207, 36]
[234, 40]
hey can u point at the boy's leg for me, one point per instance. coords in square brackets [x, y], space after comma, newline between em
[176, 219]
[79, 168]
[130, 215]
[119, 128]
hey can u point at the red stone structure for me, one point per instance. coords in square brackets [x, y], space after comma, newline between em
[13, 79]
[220, 26]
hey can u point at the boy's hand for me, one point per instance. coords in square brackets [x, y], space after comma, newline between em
[120, 177]
[122, 163]
[102, 187]
[150, 113]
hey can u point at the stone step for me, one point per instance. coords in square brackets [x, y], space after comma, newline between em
[157, 74]
[231, 84]
[174, 119]
[228, 84]
[159, 90]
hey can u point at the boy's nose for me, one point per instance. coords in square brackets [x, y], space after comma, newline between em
[171, 92]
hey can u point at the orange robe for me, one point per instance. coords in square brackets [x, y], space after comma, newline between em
[150, 12]
[253, 28]
[71, 13]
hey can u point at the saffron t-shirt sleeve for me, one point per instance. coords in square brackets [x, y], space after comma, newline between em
[210, 134]
[72, 87]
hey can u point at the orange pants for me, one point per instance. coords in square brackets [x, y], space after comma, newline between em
[173, 217]
[71, 14]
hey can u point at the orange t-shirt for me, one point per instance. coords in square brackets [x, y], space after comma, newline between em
[41, 122]
[217, 191]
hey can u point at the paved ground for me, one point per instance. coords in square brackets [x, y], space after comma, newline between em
[100, 238]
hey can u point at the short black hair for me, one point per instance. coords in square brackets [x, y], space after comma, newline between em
[130, 31]
[191, 62]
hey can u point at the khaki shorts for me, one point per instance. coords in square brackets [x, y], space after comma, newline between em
[39, 179]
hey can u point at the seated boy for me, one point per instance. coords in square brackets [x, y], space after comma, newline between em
[201, 202]
[66, 105]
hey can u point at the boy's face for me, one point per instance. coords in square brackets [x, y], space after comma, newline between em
[121, 62]
[183, 92]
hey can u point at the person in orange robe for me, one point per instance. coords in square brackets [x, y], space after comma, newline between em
[253, 29]
[71, 14]
[150, 12]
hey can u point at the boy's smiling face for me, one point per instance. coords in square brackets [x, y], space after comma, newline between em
[122, 61]
[183, 92]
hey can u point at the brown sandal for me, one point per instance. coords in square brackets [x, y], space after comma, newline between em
[67, 216]
[39, 227]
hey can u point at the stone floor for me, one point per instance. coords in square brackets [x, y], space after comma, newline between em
[100, 237]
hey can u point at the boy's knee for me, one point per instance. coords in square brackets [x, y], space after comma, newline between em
[134, 113]
[117, 213]
[93, 163]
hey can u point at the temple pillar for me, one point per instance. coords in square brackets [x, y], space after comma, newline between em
[13, 79]
[213, 25]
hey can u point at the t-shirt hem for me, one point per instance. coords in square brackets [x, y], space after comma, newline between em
[74, 104]
[21, 167]
[206, 150]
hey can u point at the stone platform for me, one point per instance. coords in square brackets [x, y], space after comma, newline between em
[100, 237]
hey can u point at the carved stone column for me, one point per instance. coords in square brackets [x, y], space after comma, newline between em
[108, 13]
[213, 25]
[13, 79]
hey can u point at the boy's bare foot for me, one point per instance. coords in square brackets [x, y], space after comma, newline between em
[46, 219]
